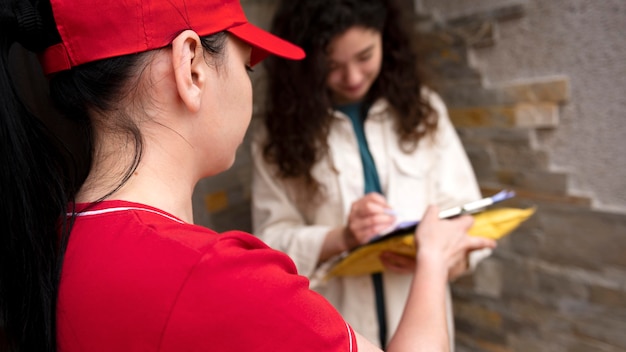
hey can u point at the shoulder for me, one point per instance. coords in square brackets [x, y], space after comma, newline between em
[125, 239]
[434, 99]
[247, 297]
[129, 269]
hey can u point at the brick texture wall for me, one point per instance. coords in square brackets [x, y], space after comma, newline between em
[558, 283]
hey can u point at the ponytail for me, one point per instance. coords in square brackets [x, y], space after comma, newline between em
[33, 198]
[39, 177]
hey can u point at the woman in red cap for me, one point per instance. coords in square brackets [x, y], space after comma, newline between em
[100, 252]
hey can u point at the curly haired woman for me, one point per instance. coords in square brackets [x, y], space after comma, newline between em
[350, 140]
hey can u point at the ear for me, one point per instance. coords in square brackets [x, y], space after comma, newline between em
[190, 68]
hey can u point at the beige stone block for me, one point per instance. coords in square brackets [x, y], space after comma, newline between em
[554, 90]
[498, 116]
[536, 115]
[524, 115]
[548, 89]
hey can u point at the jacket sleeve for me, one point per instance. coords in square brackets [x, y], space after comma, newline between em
[276, 219]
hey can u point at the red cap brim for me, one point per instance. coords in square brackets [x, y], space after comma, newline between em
[264, 43]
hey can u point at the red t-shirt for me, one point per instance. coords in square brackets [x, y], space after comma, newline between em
[138, 279]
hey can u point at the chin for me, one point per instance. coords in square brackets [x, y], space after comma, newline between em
[218, 166]
[353, 97]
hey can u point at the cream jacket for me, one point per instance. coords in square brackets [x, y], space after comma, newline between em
[438, 172]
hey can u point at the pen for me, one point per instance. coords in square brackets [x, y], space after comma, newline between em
[475, 206]
[469, 208]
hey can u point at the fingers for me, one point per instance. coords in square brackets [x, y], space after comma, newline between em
[398, 263]
[376, 198]
[431, 214]
[369, 217]
[464, 221]
[371, 225]
[448, 240]
[371, 203]
[461, 262]
[474, 243]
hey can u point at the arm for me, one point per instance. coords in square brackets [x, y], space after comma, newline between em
[441, 245]
[241, 295]
[368, 217]
[423, 326]
[278, 221]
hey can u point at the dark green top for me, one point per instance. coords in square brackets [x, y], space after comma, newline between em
[370, 174]
[356, 114]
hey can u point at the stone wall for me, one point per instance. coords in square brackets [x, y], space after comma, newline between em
[559, 282]
[581, 40]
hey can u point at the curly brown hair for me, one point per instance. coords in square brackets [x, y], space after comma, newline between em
[298, 116]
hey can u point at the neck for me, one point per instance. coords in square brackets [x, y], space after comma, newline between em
[152, 183]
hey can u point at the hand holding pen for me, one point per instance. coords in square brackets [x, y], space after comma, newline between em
[368, 217]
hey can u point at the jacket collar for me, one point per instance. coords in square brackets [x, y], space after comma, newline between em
[376, 112]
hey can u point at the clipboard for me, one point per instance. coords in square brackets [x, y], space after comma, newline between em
[491, 223]
[468, 208]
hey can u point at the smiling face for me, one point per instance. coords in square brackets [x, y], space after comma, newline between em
[354, 61]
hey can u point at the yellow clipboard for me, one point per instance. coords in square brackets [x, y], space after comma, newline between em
[493, 223]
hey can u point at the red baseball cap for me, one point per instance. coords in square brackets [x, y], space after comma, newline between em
[94, 30]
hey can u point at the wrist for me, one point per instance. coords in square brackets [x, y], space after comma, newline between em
[432, 262]
[348, 239]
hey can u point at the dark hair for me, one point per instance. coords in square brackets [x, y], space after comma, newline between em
[40, 175]
[298, 102]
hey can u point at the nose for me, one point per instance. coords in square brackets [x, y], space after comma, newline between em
[352, 75]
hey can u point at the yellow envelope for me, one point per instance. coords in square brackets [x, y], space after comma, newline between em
[494, 223]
